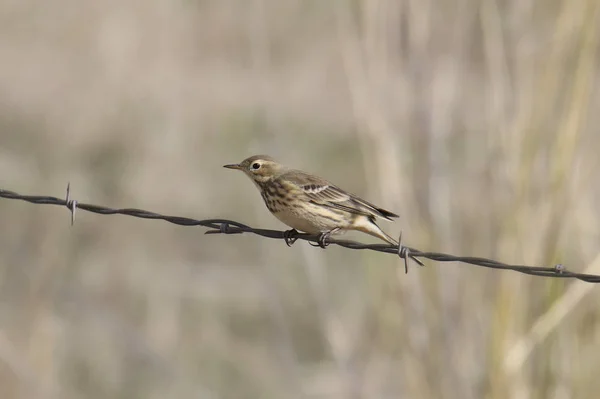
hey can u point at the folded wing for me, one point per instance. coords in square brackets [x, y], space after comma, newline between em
[322, 192]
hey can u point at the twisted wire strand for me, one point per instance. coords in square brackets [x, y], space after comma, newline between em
[224, 226]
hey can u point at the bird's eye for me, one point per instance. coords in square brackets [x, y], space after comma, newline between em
[255, 166]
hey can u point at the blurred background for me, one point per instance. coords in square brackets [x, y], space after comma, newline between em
[476, 121]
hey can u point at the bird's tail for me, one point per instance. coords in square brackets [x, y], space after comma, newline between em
[370, 227]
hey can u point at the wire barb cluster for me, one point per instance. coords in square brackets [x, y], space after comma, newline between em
[223, 226]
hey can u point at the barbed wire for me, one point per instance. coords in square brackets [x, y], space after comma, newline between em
[224, 226]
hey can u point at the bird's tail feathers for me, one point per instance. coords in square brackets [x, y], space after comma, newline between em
[370, 227]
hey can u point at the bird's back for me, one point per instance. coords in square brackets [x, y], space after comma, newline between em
[322, 192]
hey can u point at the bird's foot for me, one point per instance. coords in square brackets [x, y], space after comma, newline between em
[289, 237]
[322, 242]
[324, 237]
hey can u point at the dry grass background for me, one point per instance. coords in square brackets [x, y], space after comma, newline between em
[475, 120]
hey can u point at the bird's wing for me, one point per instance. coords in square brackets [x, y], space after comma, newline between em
[324, 193]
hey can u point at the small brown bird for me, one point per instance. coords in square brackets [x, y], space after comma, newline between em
[310, 204]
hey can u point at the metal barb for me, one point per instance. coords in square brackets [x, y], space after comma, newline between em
[415, 259]
[404, 253]
[71, 204]
[559, 268]
[405, 256]
[224, 228]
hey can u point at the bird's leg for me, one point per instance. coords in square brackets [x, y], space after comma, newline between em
[289, 237]
[323, 237]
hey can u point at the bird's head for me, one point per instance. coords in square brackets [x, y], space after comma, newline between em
[259, 168]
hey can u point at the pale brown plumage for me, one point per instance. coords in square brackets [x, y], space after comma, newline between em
[323, 192]
[309, 203]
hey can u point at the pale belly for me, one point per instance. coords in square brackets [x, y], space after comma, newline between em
[307, 223]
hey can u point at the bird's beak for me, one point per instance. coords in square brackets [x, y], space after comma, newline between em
[233, 166]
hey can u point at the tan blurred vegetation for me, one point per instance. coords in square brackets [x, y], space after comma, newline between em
[475, 120]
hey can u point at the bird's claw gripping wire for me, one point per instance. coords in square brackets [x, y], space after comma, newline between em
[71, 204]
[404, 253]
[323, 238]
[290, 237]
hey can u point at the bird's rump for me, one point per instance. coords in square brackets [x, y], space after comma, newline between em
[321, 192]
